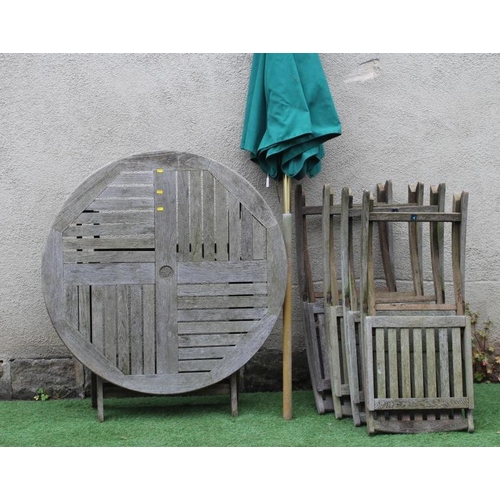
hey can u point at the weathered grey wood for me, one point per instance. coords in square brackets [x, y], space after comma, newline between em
[222, 302]
[334, 365]
[198, 365]
[353, 355]
[381, 375]
[419, 200]
[224, 339]
[249, 344]
[458, 255]
[114, 191]
[350, 304]
[100, 399]
[364, 252]
[322, 346]
[149, 329]
[330, 298]
[235, 229]
[418, 368]
[98, 318]
[109, 274]
[469, 380]
[221, 222]
[247, 235]
[384, 195]
[230, 289]
[86, 193]
[438, 396]
[300, 239]
[105, 256]
[72, 305]
[303, 261]
[218, 352]
[110, 323]
[220, 314]
[415, 307]
[221, 272]
[166, 272]
[131, 217]
[93, 390]
[183, 214]
[277, 270]
[416, 216]
[405, 363]
[121, 204]
[146, 242]
[196, 223]
[133, 178]
[235, 184]
[330, 288]
[136, 342]
[316, 368]
[208, 216]
[234, 394]
[387, 297]
[84, 320]
[420, 404]
[464, 210]
[216, 326]
[123, 329]
[415, 195]
[444, 369]
[431, 363]
[368, 364]
[418, 321]
[356, 209]
[121, 308]
[413, 427]
[118, 229]
[259, 240]
[437, 196]
[456, 346]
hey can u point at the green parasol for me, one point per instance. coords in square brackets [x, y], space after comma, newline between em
[289, 114]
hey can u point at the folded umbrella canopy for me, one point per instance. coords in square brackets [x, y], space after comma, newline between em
[289, 114]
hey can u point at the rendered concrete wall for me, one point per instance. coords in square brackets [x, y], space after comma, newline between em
[407, 117]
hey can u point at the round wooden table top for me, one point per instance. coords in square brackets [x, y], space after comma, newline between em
[164, 272]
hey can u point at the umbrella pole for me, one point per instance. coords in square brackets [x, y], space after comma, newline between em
[287, 305]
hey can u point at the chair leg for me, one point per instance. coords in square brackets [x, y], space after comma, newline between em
[93, 389]
[100, 399]
[234, 394]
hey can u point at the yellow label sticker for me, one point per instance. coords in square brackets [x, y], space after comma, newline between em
[160, 209]
[159, 170]
[159, 191]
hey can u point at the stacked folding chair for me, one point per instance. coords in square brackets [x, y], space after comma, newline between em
[342, 311]
[406, 354]
[313, 294]
[312, 304]
[416, 348]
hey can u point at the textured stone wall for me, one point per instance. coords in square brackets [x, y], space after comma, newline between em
[407, 117]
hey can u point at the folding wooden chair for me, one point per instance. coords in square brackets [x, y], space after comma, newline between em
[312, 298]
[416, 347]
[313, 308]
[340, 308]
[342, 316]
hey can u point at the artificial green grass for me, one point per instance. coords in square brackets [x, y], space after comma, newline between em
[205, 421]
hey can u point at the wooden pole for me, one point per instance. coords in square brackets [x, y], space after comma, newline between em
[287, 305]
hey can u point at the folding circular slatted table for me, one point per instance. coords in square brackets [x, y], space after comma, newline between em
[164, 273]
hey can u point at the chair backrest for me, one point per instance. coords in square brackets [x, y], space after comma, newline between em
[414, 217]
[416, 346]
